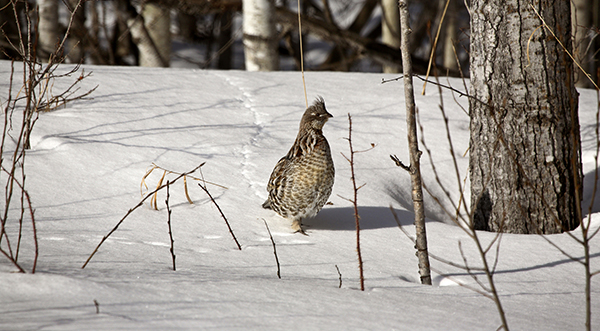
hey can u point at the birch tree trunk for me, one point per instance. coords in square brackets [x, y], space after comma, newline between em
[390, 28]
[47, 28]
[450, 36]
[525, 159]
[152, 34]
[260, 40]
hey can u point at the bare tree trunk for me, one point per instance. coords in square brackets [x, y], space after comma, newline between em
[225, 56]
[47, 28]
[187, 26]
[596, 41]
[525, 159]
[260, 35]
[121, 41]
[152, 34]
[450, 36]
[413, 146]
[10, 30]
[581, 19]
[77, 42]
[390, 28]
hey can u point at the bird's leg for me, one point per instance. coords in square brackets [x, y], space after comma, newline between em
[297, 227]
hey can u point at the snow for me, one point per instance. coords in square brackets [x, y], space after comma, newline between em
[87, 163]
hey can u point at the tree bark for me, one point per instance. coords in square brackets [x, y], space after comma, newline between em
[260, 35]
[152, 34]
[525, 159]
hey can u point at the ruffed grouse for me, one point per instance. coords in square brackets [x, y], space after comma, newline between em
[301, 181]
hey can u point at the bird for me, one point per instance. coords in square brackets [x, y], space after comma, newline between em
[302, 180]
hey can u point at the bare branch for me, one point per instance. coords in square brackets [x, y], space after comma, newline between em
[355, 204]
[222, 215]
[274, 249]
[169, 224]
[133, 209]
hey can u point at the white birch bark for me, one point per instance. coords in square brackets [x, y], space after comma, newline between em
[390, 28]
[152, 35]
[48, 27]
[260, 42]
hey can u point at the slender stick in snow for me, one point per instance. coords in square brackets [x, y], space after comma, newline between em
[222, 215]
[274, 249]
[355, 203]
[169, 224]
[413, 146]
[133, 209]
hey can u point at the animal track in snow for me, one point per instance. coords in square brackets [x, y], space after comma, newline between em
[247, 149]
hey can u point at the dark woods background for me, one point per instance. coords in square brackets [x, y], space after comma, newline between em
[339, 35]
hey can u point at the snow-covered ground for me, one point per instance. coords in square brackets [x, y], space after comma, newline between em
[87, 162]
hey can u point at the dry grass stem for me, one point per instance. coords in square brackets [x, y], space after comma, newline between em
[133, 209]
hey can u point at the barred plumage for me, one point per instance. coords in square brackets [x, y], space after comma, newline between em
[301, 181]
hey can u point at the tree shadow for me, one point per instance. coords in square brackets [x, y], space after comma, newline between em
[370, 218]
[403, 196]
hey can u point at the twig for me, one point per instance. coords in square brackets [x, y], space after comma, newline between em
[274, 250]
[434, 46]
[222, 215]
[355, 203]
[399, 163]
[35, 239]
[133, 209]
[154, 165]
[169, 224]
[339, 275]
[11, 259]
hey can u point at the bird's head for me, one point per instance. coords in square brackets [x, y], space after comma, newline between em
[315, 116]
